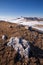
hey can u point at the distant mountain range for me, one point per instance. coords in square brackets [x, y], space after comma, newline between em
[25, 18]
[32, 18]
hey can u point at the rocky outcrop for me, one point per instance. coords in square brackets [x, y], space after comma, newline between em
[20, 45]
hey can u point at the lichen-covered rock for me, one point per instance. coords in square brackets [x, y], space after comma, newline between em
[20, 45]
[11, 41]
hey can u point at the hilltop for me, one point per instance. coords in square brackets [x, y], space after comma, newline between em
[7, 54]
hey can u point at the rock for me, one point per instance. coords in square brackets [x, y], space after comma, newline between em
[20, 45]
[19, 48]
[11, 41]
[10, 26]
[16, 40]
[25, 43]
[26, 27]
[26, 52]
[30, 28]
[4, 37]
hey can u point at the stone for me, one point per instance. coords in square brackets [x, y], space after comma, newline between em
[11, 41]
[19, 49]
[20, 45]
[25, 43]
[26, 52]
[26, 27]
[30, 28]
[4, 37]
[16, 40]
[10, 26]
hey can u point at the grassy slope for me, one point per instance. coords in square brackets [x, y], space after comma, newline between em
[7, 55]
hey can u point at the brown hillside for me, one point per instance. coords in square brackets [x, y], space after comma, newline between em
[8, 55]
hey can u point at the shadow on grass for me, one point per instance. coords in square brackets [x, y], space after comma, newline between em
[36, 52]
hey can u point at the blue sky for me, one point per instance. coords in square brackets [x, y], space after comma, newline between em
[17, 8]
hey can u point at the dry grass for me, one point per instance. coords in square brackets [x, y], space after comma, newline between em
[7, 54]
